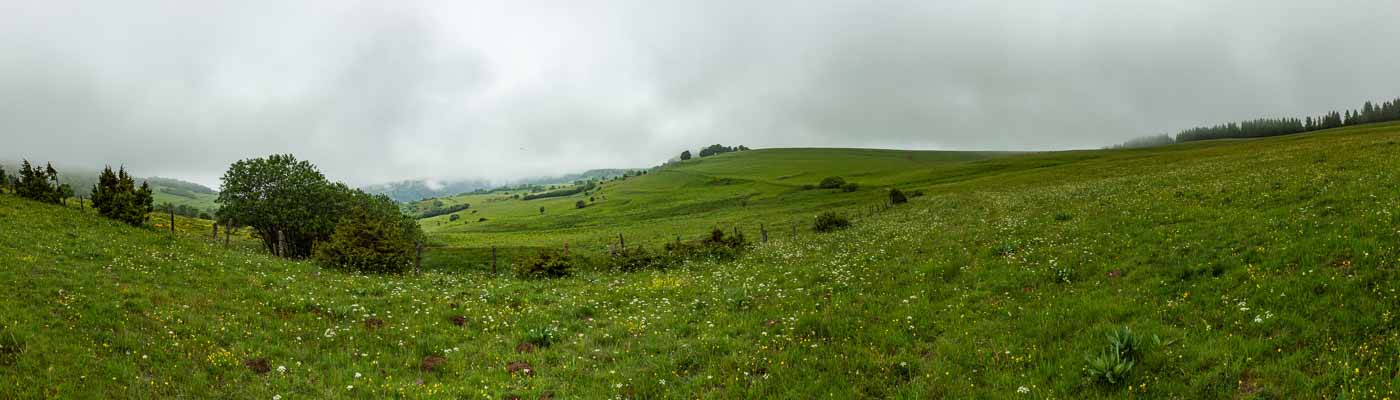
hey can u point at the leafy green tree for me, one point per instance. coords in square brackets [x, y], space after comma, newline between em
[4, 179]
[580, 204]
[288, 203]
[685, 155]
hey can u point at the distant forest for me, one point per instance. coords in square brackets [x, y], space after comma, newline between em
[1264, 127]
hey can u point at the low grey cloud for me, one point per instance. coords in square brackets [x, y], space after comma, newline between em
[376, 91]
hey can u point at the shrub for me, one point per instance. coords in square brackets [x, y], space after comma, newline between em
[636, 259]
[831, 221]
[373, 238]
[850, 187]
[718, 238]
[453, 218]
[580, 204]
[717, 246]
[547, 264]
[897, 197]
[832, 182]
[809, 186]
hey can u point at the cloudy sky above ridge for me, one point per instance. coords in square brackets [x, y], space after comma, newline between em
[377, 91]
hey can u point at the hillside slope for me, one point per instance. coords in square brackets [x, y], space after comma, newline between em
[738, 189]
[1268, 269]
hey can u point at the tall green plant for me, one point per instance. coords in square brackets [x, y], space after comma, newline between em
[115, 196]
[374, 237]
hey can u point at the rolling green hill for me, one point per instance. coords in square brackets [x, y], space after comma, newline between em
[1262, 268]
[177, 192]
[165, 190]
[738, 189]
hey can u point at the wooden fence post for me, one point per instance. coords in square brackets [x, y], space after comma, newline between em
[418, 262]
[566, 248]
[764, 230]
[216, 232]
[493, 259]
[621, 243]
[172, 221]
[228, 231]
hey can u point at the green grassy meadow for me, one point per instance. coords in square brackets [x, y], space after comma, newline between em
[735, 190]
[201, 201]
[1266, 267]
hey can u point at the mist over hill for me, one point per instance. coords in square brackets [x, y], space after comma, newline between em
[419, 189]
[82, 179]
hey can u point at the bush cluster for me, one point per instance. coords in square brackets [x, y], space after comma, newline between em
[546, 264]
[830, 221]
[897, 197]
[718, 246]
[562, 192]
[832, 182]
[638, 259]
[440, 210]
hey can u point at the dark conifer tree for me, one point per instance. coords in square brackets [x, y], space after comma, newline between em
[116, 197]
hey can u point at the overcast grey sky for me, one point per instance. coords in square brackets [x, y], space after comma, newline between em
[385, 90]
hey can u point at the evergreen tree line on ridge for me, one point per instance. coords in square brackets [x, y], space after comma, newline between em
[1265, 127]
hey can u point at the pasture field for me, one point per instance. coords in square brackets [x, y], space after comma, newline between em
[1249, 269]
[202, 201]
[734, 190]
